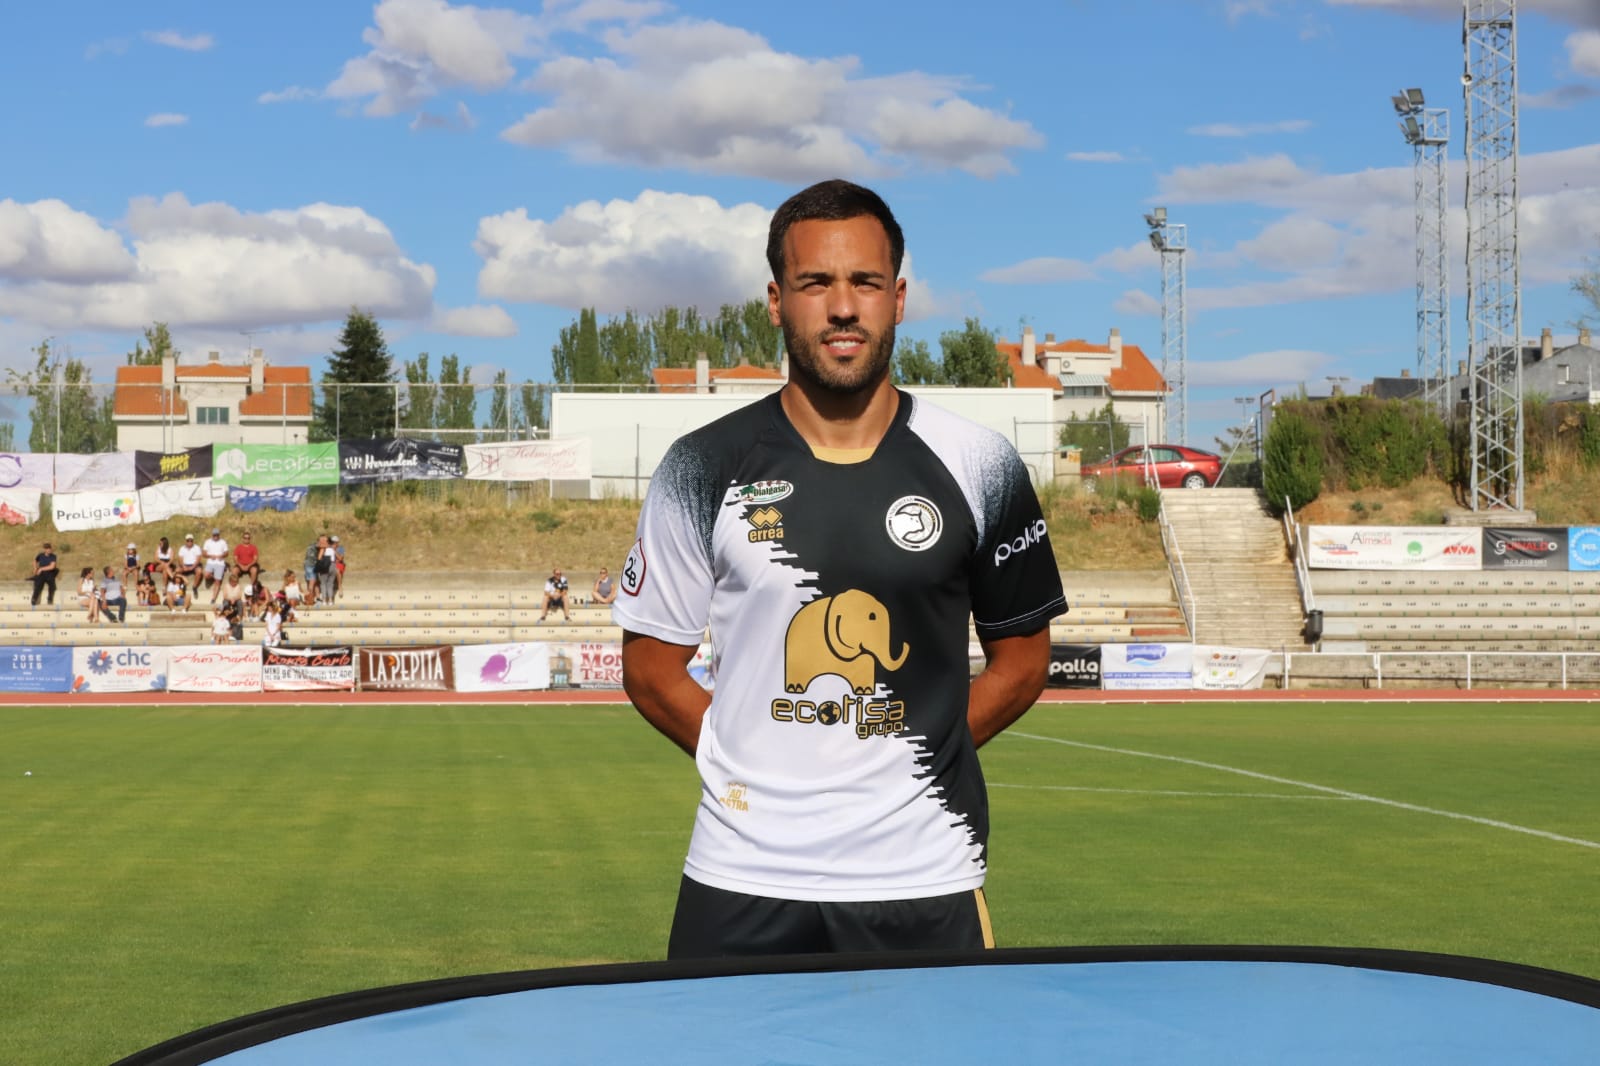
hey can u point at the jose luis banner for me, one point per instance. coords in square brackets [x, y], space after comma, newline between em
[26, 669]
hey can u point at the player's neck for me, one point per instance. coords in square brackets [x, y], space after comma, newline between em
[826, 420]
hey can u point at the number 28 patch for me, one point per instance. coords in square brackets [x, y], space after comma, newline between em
[633, 569]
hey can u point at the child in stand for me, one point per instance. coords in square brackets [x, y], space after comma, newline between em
[221, 628]
[177, 592]
[89, 593]
[274, 635]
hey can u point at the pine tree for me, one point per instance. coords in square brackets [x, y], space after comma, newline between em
[457, 400]
[355, 403]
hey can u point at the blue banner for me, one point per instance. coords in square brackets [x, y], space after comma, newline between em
[284, 499]
[1583, 548]
[25, 669]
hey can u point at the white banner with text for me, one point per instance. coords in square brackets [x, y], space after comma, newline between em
[214, 668]
[1394, 548]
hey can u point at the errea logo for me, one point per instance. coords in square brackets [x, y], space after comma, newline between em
[1034, 534]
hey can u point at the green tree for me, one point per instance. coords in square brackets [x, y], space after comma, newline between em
[421, 409]
[971, 359]
[1291, 465]
[678, 335]
[531, 407]
[354, 402]
[1587, 286]
[499, 424]
[1098, 435]
[159, 340]
[914, 364]
[457, 400]
[760, 335]
[625, 352]
[65, 416]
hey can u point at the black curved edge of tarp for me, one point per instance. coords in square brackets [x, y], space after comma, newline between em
[213, 1042]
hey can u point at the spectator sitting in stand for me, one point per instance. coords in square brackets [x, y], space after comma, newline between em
[290, 592]
[215, 550]
[177, 593]
[112, 595]
[189, 564]
[221, 628]
[130, 564]
[45, 572]
[233, 596]
[605, 590]
[555, 595]
[256, 602]
[164, 553]
[89, 593]
[146, 591]
[246, 554]
[274, 620]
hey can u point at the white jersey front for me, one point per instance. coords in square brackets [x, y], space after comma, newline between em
[835, 759]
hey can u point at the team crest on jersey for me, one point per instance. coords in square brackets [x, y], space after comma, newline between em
[633, 569]
[763, 492]
[914, 523]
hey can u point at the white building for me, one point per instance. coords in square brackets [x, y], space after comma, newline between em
[174, 406]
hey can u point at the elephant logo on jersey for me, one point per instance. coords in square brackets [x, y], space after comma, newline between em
[914, 523]
[846, 635]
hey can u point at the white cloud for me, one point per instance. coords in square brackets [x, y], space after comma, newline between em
[213, 266]
[660, 249]
[1560, 98]
[198, 42]
[49, 241]
[1583, 53]
[1250, 129]
[1135, 303]
[1259, 369]
[1097, 157]
[166, 118]
[463, 119]
[115, 46]
[292, 93]
[1043, 270]
[479, 320]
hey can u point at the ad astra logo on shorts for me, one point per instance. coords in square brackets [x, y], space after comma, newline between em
[633, 568]
[763, 492]
[1034, 534]
[914, 523]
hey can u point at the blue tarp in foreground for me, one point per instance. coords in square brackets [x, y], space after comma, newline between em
[1166, 1006]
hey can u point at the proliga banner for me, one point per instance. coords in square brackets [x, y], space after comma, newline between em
[271, 466]
[308, 669]
[1074, 666]
[407, 669]
[214, 668]
[152, 468]
[26, 669]
[502, 667]
[119, 669]
[1217, 668]
[1391, 548]
[532, 460]
[196, 498]
[1146, 666]
[94, 510]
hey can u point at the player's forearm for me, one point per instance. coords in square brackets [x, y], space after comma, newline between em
[1009, 684]
[675, 705]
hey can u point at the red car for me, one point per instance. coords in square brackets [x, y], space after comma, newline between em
[1171, 466]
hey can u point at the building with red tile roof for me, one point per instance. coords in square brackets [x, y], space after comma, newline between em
[704, 378]
[177, 405]
[1086, 376]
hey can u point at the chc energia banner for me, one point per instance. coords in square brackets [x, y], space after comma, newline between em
[1394, 548]
[119, 669]
[270, 466]
[521, 667]
[94, 510]
[214, 668]
[531, 460]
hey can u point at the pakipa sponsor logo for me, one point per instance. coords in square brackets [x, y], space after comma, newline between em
[1034, 534]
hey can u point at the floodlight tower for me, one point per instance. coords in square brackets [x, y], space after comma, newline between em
[1494, 286]
[1427, 130]
[1171, 239]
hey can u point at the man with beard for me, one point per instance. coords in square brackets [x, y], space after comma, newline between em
[837, 536]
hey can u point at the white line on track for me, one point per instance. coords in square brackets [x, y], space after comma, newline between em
[1172, 792]
[1397, 804]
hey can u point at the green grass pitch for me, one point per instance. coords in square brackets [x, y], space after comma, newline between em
[164, 868]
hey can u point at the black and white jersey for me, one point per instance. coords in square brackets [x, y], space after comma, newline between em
[835, 759]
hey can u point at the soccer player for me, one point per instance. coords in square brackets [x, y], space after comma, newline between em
[837, 536]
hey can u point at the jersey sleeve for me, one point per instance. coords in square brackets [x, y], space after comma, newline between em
[666, 581]
[1016, 587]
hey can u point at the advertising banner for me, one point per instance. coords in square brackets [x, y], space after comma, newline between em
[1074, 666]
[287, 498]
[106, 472]
[407, 669]
[25, 470]
[197, 498]
[596, 665]
[308, 669]
[94, 510]
[118, 669]
[24, 669]
[502, 667]
[272, 466]
[531, 460]
[1228, 668]
[19, 507]
[152, 468]
[1391, 548]
[1146, 666]
[1583, 548]
[1528, 548]
[214, 668]
[363, 461]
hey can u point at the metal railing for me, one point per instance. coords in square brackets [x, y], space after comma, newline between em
[1180, 575]
[1468, 668]
[1297, 552]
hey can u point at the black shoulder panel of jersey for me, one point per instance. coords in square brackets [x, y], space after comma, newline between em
[696, 471]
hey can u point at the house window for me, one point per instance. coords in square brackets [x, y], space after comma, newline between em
[212, 416]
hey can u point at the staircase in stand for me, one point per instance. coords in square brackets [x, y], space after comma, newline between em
[1240, 574]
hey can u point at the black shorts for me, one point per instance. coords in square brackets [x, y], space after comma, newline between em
[713, 923]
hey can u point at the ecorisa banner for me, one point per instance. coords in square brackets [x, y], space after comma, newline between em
[1146, 666]
[1390, 548]
[1583, 548]
[287, 498]
[271, 466]
[1529, 548]
[25, 669]
[502, 667]
[94, 510]
[406, 669]
[26, 470]
[1228, 668]
[1074, 666]
[308, 669]
[119, 669]
[214, 668]
[152, 468]
[364, 461]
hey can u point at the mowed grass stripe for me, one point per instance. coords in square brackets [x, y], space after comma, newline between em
[165, 868]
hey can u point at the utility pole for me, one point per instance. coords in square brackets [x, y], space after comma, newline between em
[1427, 130]
[1171, 239]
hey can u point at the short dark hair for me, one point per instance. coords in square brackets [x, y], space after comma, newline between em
[834, 200]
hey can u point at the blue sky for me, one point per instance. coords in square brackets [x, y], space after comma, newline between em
[474, 175]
